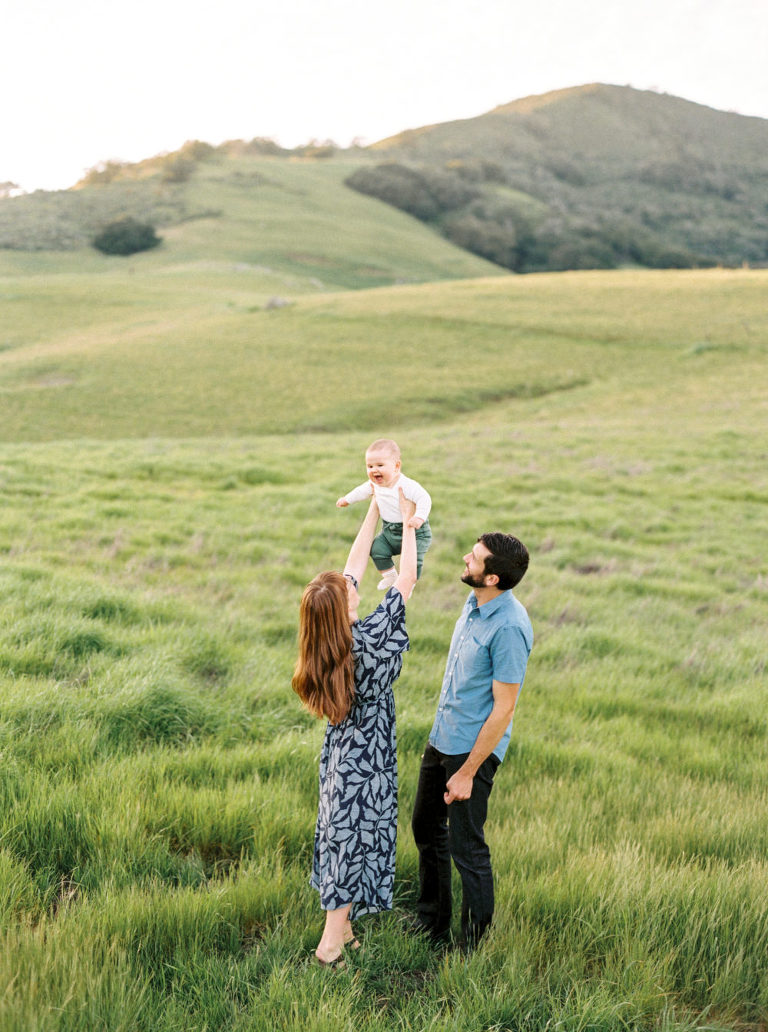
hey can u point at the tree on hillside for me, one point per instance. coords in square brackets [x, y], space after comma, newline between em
[126, 236]
[424, 193]
[176, 168]
[102, 173]
[197, 150]
[317, 149]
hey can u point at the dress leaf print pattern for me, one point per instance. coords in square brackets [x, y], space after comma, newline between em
[356, 833]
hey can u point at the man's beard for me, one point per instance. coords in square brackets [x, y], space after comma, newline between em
[473, 582]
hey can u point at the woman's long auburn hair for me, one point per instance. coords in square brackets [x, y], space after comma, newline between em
[324, 675]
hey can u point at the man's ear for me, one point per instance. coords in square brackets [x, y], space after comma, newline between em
[490, 580]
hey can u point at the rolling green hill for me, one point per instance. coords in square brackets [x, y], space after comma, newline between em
[620, 175]
[287, 225]
[144, 350]
[591, 177]
[607, 128]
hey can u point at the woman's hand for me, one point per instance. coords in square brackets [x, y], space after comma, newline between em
[406, 578]
[407, 508]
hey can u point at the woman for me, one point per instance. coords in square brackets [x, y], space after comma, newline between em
[344, 672]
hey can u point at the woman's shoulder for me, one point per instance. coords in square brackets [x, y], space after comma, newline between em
[391, 607]
[386, 622]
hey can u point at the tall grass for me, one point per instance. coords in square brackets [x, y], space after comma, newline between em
[158, 777]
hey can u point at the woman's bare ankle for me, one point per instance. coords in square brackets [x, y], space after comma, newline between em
[329, 950]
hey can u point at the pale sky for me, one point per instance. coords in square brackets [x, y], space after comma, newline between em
[83, 81]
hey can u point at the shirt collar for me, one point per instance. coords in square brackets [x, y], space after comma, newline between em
[489, 608]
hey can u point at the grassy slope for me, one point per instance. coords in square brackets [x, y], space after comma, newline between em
[158, 777]
[283, 226]
[213, 361]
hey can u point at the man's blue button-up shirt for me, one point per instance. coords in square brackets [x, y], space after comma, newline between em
[490, 643]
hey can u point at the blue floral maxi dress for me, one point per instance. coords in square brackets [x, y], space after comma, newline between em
[356, 832]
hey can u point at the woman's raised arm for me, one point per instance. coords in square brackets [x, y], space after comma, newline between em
[357, 560]
[407, 576]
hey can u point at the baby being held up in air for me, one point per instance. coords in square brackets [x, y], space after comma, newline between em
[382, 460]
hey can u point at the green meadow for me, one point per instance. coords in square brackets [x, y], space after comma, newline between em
[171, 449]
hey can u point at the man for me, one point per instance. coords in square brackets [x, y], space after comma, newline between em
[486, 667]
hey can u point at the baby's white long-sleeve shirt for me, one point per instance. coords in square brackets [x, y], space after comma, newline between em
[388, 499]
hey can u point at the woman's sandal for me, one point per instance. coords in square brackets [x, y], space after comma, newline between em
[333, 965]
[352, 943]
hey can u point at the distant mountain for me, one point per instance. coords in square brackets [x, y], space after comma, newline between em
[591, 176]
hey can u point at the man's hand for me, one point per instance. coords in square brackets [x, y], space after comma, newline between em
[459, 787]
[504, 698]
[342, 503]
[415, 522]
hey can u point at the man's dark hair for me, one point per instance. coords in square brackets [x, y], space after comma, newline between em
[508, 558]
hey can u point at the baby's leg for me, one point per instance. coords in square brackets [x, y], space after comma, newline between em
[381, 553]
[385, 546]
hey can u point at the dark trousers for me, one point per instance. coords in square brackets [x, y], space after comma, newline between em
[444, 833]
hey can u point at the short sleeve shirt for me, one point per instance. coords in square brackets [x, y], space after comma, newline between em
[490, 643]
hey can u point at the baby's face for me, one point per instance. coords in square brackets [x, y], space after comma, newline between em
[383, 467]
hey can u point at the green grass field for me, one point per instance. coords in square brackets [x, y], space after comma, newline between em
[171, 453]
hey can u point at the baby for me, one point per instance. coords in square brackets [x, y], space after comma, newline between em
[382, 461]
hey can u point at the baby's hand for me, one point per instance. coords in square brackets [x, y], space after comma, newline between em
[415, 521]
[342, 503]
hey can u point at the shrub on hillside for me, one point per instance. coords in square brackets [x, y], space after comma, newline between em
[65, 220]
[266, 146]
[493, 228]
[258, 146]
[197, 150]
[567, 171]
[561, 244]
[581, 251]
[450, 191]
[424, 193]
[656, 255]
[317, 149]
[103, 173]
[126, 236]
[398, 185]
[476, 170]
[176, 168]
[497, 243]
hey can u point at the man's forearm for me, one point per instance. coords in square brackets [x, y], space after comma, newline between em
[459, 785]
[489, 736]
